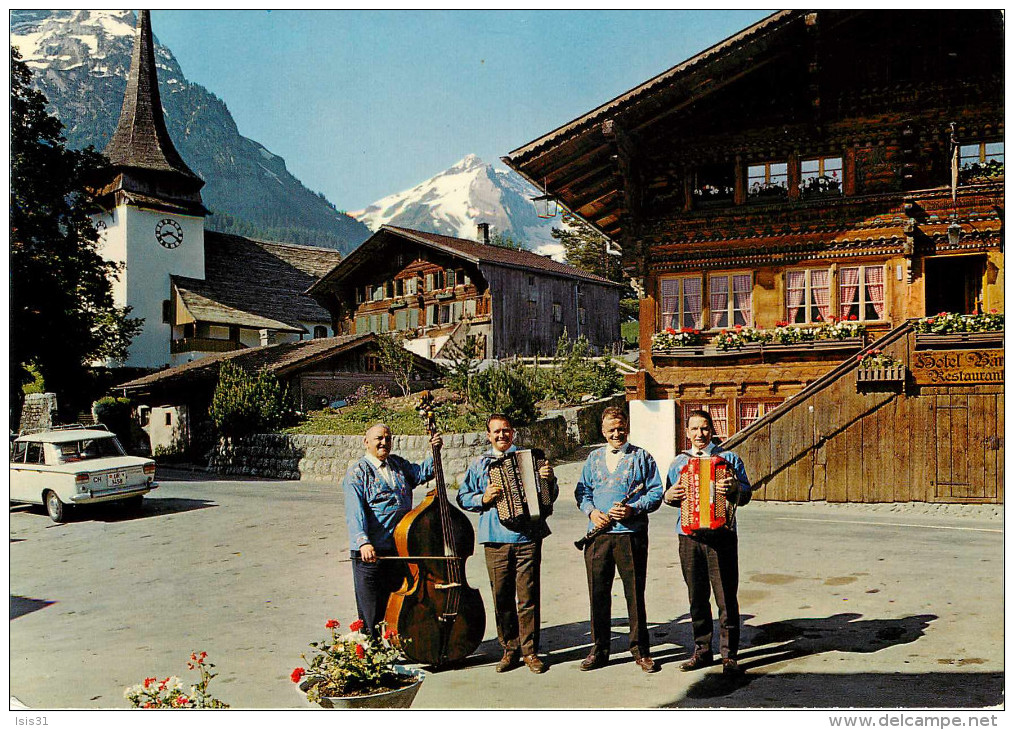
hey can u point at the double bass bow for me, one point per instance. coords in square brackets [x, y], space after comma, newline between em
[435, 609]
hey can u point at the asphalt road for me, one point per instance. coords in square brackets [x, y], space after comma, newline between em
[842, 606]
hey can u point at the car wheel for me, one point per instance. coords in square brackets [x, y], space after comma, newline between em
[57, 510]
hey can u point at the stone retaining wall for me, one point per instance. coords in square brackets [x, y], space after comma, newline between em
[584, 422]
[326, 458]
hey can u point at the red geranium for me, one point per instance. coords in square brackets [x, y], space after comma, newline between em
[356, 625]
[853, 318]
[297, 674]
[360, 651]
[331, 624]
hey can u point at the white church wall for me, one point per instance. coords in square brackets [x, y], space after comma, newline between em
[153, 245]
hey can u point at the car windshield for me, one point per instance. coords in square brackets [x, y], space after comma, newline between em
[90, 449]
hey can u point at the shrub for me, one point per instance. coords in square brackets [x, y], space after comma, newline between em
[114, 414]
[244, 403]
[512, 390]
[576, 374]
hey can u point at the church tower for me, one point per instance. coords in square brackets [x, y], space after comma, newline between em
[153, 216]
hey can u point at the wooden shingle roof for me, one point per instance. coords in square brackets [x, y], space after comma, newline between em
[141, 139]
[279, 359]
[257, 284]
[472, 251]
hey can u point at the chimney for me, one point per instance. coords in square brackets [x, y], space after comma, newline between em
[483, 234]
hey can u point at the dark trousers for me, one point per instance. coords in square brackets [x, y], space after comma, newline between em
[711, 562]
[374, 583]
[603, 556]
[514, 578]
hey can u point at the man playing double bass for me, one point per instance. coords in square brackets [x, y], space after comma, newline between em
[513, 559]
[378, 493]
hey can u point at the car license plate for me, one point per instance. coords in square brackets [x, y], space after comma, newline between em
[116, 479]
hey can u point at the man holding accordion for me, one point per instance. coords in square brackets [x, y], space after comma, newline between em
[513, 555]
[707, 484]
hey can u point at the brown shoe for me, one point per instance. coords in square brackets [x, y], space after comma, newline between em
[534, 663]
[593, 661]
[509, 661]
[646, 663]
[699, 660]
[730, 667]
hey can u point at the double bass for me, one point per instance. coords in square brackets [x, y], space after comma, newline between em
[435, 609]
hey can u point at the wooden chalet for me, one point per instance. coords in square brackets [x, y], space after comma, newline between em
[436, 289]
[819, 166]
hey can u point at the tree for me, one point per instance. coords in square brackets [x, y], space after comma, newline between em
[245, 403]
[62, 311]
[396, 360]
[587, 249]
[506, 240]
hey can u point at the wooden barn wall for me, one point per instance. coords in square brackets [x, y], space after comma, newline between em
[933, 444]
[514, 333]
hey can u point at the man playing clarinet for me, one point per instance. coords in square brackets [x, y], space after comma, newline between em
[513, 559]
[378, 493]
[710, 558]
[619, 486]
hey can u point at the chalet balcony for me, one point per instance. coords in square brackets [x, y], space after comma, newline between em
[750, 342]
[710, 350]
[203, 344]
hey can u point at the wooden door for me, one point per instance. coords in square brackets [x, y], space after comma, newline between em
[969, 447]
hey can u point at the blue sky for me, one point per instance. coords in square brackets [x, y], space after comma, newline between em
[362, 104]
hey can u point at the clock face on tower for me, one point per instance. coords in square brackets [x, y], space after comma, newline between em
[168, 233]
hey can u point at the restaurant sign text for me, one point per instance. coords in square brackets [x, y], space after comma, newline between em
[957, 367]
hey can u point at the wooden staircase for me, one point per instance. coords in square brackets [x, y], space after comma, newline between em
[909, 443]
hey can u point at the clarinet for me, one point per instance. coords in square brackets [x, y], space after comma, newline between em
[596, 531]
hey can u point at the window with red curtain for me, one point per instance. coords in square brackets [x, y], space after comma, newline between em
[681, 302]
[807, 296]
[751, 411]
[719, 415]
[861, 292]
[730, 296]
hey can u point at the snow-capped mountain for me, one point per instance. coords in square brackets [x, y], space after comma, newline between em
[466, 194]
[80, 60]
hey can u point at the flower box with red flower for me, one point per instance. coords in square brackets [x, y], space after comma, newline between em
[170, 693]
[948, 330]
[877, 366]
[357, 670]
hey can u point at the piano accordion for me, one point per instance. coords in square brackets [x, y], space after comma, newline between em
[703, 508]
[525, 499]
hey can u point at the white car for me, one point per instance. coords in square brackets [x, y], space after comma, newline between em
[73, 465]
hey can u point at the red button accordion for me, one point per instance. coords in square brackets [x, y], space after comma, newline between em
[703, 508]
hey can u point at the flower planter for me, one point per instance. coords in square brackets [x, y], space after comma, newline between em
[391, 699]
[931, 340]
[894, 374]
[755, 348]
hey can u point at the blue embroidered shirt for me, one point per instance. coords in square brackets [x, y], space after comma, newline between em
[491, 530]
[373, 507]
[712, 449]
[598, 488]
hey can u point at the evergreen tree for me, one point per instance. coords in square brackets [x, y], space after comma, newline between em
[505, 240]
[62, 311]
[586, 248]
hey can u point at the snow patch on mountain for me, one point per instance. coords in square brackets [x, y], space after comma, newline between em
[456, 200]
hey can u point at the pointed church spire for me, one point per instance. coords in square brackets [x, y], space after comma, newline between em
[141, 149]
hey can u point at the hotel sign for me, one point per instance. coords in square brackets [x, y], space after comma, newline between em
[957, 367]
